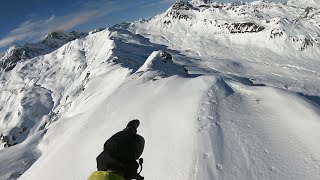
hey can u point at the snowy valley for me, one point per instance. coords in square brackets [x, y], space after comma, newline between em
[223, 91]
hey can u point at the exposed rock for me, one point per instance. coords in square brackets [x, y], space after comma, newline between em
[178, 15]
[4, 141]
[183, 6]
[12, 57]
[248, 27]
[276, 33]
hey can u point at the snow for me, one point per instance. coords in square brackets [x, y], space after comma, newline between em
[305, 3]
[212, 104]
[50, 43]
[19, 158]
[162, 62]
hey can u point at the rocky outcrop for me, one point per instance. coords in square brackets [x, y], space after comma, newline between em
[175, 11]
[12, 57]
[247, 27]
[183, 6]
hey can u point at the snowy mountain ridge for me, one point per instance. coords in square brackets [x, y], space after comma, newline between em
[52, 41]
[234, 88]
[282, 25]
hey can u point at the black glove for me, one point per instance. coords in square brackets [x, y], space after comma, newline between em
[134, 124]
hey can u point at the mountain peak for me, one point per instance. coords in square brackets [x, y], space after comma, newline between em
[64, 35]
[51, 42]
[182, 5]
[14, 46]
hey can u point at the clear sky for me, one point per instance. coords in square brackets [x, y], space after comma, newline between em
[30, 20]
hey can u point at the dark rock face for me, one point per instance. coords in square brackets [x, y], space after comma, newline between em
[15, 55]
[64, 36]
[4, 140]
[166, 57]
[178, 15]
[183, 6]
[305, 43]
[177, 7]
[248, 27]
[53, 41]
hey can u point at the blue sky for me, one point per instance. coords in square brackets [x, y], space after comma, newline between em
[30, 20]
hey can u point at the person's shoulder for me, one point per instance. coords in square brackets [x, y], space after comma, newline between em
[104, 175]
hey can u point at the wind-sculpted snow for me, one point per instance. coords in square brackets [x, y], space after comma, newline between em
[223, 91]
[249, 142]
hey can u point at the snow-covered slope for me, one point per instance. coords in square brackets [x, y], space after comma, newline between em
[276, 27]
[222, 92]
[52, 41]
[29, 92]
[305, 3]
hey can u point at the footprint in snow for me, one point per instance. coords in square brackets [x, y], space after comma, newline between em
[205, 156]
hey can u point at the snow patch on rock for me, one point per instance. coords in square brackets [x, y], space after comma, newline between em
[161, 61]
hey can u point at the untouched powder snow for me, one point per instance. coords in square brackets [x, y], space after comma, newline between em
[222, 92]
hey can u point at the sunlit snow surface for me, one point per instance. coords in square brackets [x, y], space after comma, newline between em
[212, 104]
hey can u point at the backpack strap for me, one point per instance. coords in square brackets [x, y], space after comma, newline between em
[140, 163]
[132, 170]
